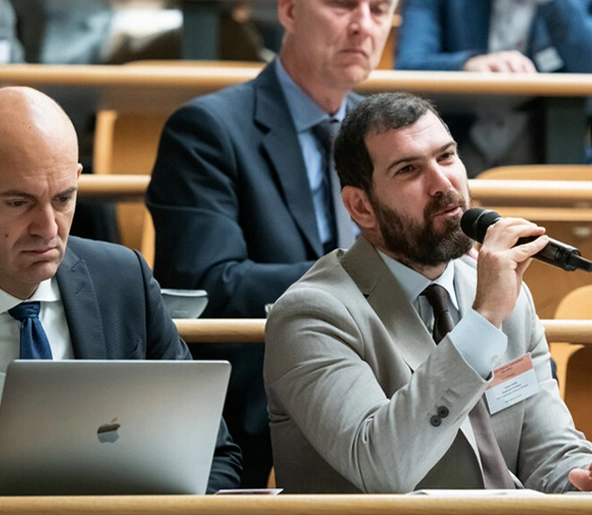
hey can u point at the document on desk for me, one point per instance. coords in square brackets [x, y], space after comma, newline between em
[518, 492]
[249, 491]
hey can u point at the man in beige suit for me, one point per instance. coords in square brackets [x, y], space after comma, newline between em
[361, 398]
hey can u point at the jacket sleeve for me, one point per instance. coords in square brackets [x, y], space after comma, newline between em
[226, 466]
[165, 343]
[320, 372]
[194, 199]
[569, 24]
[421, 35]
[316, 374]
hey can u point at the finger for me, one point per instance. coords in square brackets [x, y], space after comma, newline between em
[500, 66]
[529, 66]
[526, 250]
[519, 63]
[479, 63]
[507, 231]
[581, 479]
[521, 267]
[524, 65]
[515, 64]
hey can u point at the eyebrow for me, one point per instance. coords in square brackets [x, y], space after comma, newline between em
[411, 159]
[19, 193]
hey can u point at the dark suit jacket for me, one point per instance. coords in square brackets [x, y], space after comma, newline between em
[230, 199]
[444, 34]
[234, 215]
[114, 311]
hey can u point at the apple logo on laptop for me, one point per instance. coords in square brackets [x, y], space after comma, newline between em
[108, 432]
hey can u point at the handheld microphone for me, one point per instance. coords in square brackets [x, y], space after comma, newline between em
[474, 224]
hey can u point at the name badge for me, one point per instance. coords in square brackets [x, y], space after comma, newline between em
[512, 383]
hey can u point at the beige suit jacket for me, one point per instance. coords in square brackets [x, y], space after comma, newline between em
[354, 379]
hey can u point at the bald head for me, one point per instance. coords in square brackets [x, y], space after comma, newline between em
[39, 173]
[32, 124]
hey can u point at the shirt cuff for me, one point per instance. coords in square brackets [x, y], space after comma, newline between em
[480, 343]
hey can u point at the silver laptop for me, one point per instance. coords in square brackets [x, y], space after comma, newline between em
[109, 427]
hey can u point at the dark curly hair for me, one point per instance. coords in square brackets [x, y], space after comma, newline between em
[376, 113]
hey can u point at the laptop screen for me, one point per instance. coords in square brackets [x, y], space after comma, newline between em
[109, 427]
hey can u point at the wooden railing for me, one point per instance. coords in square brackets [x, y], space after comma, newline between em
[301, 504]
[252, 330]
[576, 194]
[535, 200]
[126, 87]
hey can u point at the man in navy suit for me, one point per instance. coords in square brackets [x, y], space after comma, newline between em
[97, 300]
[237, 194]
[507, 36]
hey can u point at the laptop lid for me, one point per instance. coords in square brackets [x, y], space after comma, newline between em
[109, 427]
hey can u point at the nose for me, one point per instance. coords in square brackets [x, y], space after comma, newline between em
[44, 223]
[361, 19]
[439, 178]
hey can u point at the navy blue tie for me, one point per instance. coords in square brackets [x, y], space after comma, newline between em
[34, 342]
[325, 132]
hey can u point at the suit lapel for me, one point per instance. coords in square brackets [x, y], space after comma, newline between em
[409, 334]
[81, 308]
[283, 149]
[465, 285]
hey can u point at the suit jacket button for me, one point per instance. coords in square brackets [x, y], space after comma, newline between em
[435, 420]
[443, 412]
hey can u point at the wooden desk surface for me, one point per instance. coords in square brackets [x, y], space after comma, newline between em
[157, 88]
[299, 505]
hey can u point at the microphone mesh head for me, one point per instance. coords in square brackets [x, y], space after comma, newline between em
[475, 221]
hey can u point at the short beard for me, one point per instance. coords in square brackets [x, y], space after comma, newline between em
[420, 245]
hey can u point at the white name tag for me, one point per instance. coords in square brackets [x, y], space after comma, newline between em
[512, 383]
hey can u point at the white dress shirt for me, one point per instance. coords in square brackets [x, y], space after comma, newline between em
[51, 315]
[479, 343]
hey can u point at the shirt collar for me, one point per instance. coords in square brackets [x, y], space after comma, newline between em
[47, 291]
[413, 283]
[305, 112]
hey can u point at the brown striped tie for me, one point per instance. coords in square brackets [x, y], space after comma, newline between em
[495, 471]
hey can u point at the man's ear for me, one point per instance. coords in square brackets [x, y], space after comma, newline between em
[359, 207]
[286, 14]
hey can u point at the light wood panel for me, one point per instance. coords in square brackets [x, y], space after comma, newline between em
[576, 360]
[299, 505]
[561, 201]
[252, 330]
[569, 201]
[117, 188]
[151, 88]
[127, 144]
[487, 192]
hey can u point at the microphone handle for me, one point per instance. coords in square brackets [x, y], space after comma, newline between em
[559, 254]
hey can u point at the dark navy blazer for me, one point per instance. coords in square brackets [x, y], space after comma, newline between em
[444, 34]
[114, 310]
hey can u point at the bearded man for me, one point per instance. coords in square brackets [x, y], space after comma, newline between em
[378, 359]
